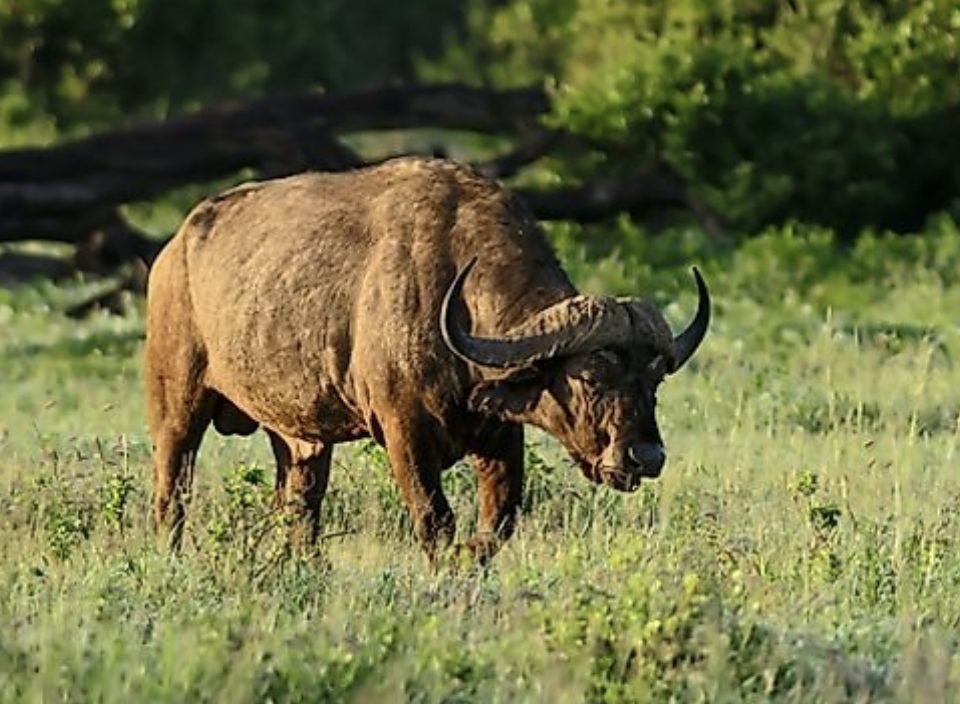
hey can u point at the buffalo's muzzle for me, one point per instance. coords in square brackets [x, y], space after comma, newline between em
[647, 459]
[624, 468]
[621, 480]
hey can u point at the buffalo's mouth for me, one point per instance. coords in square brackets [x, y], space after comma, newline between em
[626, 480]
[643, 462]
[617, 478]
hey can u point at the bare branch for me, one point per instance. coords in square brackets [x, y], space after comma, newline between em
[640, 195]
[71, 192]
[535, 146]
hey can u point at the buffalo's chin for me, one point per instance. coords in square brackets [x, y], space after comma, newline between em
[591, 470]
[620, 479]
[591, 474]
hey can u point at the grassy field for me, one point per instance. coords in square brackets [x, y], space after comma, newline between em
[803, 544]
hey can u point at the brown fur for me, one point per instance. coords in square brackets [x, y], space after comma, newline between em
[309, 306]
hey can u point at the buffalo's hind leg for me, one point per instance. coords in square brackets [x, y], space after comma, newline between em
[179, 403]
[498, 466]
[179, 408]
[303, 472]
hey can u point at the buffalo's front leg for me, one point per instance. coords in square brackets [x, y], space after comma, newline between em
[416, 470]
[498, 466]
[303, 472]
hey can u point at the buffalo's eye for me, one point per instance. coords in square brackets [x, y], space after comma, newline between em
[590, 372]
[606, 358]
[589, 375]
[598, 368]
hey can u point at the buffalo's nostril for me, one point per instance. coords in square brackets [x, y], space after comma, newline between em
[649, 457]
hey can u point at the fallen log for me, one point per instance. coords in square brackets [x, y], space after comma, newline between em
[71, 192]
[279, 134]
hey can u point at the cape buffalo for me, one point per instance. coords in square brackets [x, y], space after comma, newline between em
[414, 302]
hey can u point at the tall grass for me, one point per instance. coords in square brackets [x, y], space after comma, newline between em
[803, 544]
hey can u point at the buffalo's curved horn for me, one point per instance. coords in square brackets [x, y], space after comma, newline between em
[687, 342]
[570, 324]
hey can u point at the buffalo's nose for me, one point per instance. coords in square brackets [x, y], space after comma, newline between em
[649, 458]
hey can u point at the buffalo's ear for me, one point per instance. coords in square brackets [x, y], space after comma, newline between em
[514, 393]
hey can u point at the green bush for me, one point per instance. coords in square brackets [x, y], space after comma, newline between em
[83, 63]
[838, 113]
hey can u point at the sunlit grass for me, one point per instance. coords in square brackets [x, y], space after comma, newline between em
[803, 544]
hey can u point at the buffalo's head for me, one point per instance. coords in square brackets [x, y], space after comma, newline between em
[585, 370]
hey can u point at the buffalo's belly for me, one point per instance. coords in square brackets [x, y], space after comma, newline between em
[297, 406]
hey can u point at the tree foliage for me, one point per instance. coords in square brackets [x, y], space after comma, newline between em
[841, 113]
[91, 62]
[831, 111]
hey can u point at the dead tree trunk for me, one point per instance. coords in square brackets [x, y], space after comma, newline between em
[71, 192]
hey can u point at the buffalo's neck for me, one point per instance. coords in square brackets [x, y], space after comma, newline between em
[507, 299]
[512, 301]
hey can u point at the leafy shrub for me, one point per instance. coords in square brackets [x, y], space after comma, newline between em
[836, 113]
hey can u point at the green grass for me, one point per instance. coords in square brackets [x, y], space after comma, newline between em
[803, 544]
